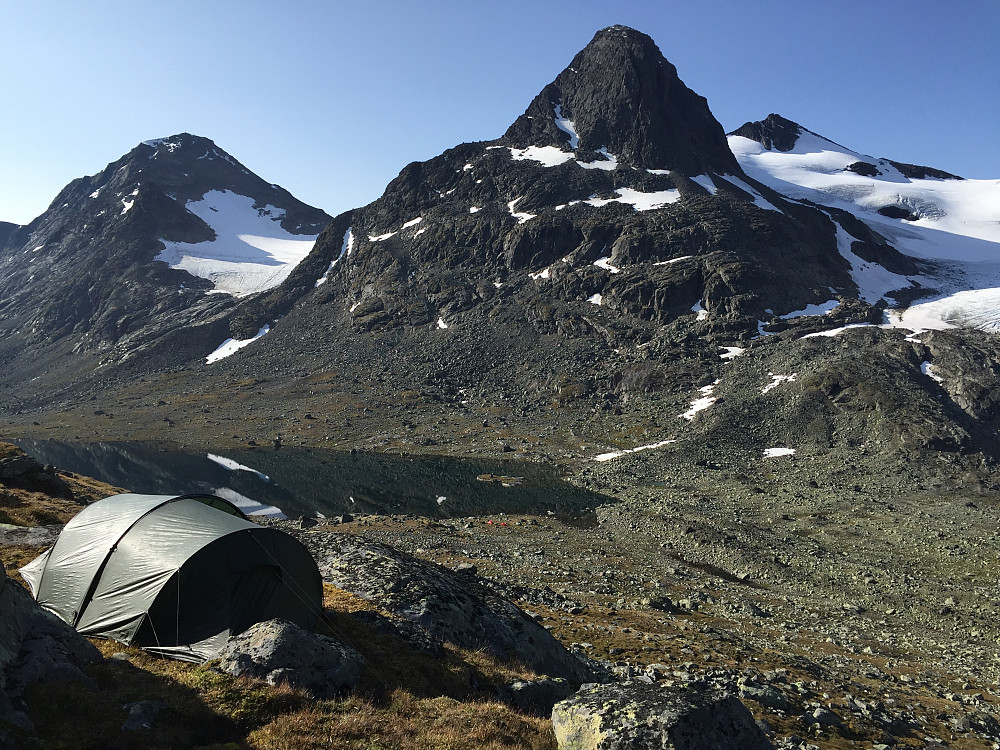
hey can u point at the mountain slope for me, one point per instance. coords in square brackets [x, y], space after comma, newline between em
[609, 275]
[128, 258]
[950, 225]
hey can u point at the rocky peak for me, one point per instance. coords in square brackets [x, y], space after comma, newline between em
[621, 97]
[773, 132]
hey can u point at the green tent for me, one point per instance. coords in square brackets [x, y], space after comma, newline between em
[173, 575]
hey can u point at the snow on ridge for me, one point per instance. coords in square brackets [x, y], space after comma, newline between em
[567, 126]
[231, 346]
[251, 251]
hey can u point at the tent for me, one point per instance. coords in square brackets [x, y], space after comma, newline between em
[173, 575]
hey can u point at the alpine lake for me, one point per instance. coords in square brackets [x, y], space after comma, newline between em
[308, 482]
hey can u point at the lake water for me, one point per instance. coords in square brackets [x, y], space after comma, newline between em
[315, 482]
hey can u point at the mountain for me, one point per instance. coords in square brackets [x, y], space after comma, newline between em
[612, 273]
[134, 258]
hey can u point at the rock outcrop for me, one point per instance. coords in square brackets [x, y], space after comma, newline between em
[281, 652]
[448, 606]
[35, 646]
[637, 715]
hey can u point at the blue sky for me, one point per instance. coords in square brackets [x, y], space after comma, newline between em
[331, 99]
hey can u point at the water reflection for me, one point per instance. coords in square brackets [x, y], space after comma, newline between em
[312, 481]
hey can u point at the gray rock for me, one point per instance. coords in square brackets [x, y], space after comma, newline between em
[452, 607]
[635, 715]
[35, 646]
[539, 696]
[279, 652]
[142, 715]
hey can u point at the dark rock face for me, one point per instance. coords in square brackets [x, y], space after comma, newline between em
[633, 715]
[863, 168]
[773, 132]
[622, 95]
[449, 606]
[916, 172]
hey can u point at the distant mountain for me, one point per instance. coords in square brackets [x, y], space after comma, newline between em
[131, 258]
[612, 265]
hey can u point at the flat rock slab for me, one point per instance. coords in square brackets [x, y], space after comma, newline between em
[37, 536]
[638, 716]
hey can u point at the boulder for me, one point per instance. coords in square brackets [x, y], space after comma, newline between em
[35, 646]
[538, 697]
[631, 715]
[279, 652]
[452, 607]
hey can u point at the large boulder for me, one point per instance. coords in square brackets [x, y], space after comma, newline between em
[35, 646]
[281, 652]
[638, 715]
[450, 606]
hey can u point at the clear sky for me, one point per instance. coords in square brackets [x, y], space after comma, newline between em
[331, 99]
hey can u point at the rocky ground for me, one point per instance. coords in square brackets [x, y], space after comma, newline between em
[845, 592]
[842, 618]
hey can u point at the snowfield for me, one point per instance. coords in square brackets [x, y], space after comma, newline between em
[954, 225]
[251, 252]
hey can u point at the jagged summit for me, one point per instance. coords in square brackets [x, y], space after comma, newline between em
[620, 96]
[774, 132]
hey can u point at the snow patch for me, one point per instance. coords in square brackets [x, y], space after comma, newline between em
[638, 200]
[777, 380]
[605, 263]
[778, 452]
[618, 454]
[382, 237]
[672, 260]
[521, 217]
[697, 308]
[413, 222]
[231, 346]
[441, 324]
[596, 299]
[730, 352]
[549, 156]
[474, 209]
[928, 369]
[823, 309]
[700, 404]
[608, 163]
[251, 252]
[345, 249]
